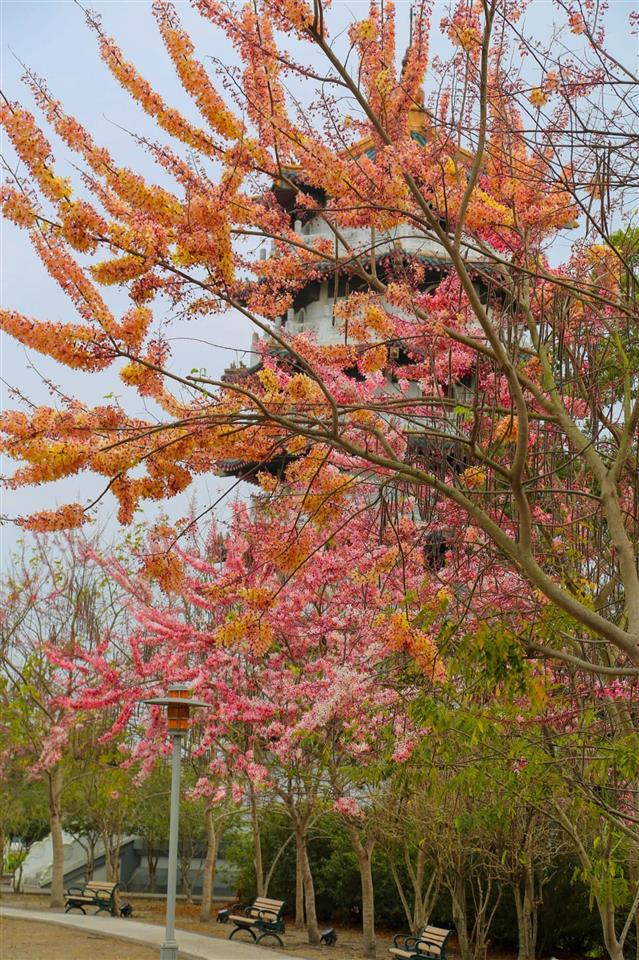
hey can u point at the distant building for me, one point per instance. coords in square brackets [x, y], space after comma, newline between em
[134, 873]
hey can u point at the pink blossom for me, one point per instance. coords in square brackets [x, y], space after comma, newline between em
[348, 807]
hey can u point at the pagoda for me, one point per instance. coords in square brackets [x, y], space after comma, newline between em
[312, 311]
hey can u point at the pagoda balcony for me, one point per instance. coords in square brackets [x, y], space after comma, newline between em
[360, 241]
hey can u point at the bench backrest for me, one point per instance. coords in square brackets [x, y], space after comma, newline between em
[100, 886]
[437, 938]
[266, 908]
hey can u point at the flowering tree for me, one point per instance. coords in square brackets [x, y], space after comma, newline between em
[325, 654]
[513, 410]
[544, 758]
[291, 638]
[52, 605]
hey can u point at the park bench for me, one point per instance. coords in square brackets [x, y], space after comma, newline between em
[261, 918]
[95, 893]
[429, 942]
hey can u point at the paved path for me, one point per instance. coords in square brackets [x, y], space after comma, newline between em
[192, 946]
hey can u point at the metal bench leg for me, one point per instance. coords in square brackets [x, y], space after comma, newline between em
[74, 906]
[270, 933]
[247, 929]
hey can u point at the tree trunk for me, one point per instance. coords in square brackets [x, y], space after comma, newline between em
[417, 877]
[299, 882]
[309, 896]
[526, 908]
[633, 873]
[260, 886]
[17, 878]
[365, 863]
[112, 843]
[423, 900]
[482, 895]
[368, 904]
[607, 914]
[152, 864]
[410, 915]
[2, 846]
[54, 786]
[89, 866]
[208, 878]
[460, 917]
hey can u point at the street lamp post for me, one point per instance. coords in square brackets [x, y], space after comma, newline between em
[178, 705]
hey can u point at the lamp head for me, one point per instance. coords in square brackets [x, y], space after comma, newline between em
[178, 705]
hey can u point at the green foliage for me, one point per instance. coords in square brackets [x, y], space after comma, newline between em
[151, 809]
[23, 808]
[14, 859]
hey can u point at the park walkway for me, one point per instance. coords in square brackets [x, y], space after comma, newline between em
[192, 946]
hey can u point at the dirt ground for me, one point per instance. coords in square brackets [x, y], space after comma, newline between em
[348, 947]
[349, 940]
[21, 940]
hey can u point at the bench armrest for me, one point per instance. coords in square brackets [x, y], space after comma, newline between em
[241, 908]
[71, 890]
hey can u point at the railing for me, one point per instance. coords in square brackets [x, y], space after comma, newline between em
[294, 327]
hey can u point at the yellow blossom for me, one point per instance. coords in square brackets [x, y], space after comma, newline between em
[537, 97]
[473, 477]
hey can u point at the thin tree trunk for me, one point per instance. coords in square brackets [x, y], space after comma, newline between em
[460, 916]
[152, 864]
[418, 887]
[607, 914]
[482, 893]
[368, 905]
[2, 846]
[54, 785]
[112, 844]
[299, 882]
[410, 916]
[633, 872]
[89, 867]
[364, 860]
[17, 878]
[526, 907]
[309, 896]
[423, 901]
[208, 878]
[257, 847]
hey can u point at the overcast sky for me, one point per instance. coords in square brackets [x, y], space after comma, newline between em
[51, 37]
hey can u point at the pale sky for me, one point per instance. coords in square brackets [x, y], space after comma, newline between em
[50, 36]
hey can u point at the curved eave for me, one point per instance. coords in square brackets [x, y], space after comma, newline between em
[248, 470]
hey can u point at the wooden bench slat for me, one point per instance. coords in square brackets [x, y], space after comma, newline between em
[263, 916]
[97, 893]
[429, 942]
